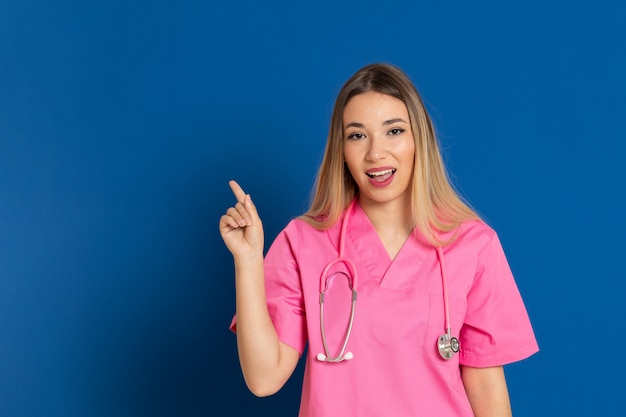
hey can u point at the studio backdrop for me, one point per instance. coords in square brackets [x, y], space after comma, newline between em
[121, 123]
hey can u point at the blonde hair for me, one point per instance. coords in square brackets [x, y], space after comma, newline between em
[436, 208]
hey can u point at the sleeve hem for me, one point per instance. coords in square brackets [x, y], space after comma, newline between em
[288, 338]
[485, 361]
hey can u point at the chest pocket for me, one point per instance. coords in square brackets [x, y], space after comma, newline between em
[436, 326]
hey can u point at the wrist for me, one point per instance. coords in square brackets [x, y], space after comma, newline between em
[253, 259]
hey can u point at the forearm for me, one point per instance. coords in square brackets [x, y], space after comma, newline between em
[266, 363]
[487, 391]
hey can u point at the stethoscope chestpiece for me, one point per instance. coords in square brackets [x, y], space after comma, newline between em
[447, 346]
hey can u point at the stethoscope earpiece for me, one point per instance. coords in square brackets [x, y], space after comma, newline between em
[344, 357]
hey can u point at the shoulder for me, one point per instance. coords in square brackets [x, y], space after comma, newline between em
[476, 231]
[474, 236]
[299, 238]
[297, 227]
[298, 231]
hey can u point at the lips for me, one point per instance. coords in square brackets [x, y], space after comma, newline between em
[380, 176]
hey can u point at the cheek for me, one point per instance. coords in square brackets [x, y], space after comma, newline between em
[352, 168]
[406, 151]
[350, 157]
[406, 155]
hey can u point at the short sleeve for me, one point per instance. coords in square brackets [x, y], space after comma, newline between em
[283, 290]
[497, 329]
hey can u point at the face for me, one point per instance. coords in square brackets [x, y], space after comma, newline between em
[378, 147]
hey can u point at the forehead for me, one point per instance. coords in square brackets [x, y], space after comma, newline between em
[374, 106]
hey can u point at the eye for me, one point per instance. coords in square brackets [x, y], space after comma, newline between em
[356, 136]
[396, 131]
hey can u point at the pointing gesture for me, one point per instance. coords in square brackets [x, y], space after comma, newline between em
[241, 226]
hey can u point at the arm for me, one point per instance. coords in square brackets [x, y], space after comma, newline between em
[487, 391]
[266, 362]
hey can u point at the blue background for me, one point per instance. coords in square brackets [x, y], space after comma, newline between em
[122, 121]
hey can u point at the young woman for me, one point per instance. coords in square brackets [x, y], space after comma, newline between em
[402, 294]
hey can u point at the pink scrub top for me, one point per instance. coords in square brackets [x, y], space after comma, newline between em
[396, 370]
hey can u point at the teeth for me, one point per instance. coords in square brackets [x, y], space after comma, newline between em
[379, 173]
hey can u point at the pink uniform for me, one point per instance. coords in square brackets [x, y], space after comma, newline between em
[396, 370]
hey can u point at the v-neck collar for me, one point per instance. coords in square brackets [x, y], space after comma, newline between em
[365, 245]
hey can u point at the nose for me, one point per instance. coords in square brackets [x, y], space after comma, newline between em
[376, 150]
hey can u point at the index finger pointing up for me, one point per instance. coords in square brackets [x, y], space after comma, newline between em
[237, 190]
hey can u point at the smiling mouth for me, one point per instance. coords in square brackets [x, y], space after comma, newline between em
[381, 174]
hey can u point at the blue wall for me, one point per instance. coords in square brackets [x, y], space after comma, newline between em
[122, 121]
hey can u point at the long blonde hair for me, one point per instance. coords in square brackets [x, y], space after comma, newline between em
[436, 208]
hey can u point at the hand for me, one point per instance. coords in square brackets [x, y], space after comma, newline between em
[241, 226]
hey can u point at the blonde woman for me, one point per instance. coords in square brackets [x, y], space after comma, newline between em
[400, 296]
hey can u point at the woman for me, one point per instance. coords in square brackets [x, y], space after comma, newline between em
[431, 277]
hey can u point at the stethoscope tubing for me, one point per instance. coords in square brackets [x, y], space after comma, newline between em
[444, 286]
[342, 353]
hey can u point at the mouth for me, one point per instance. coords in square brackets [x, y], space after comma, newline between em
[381, 175]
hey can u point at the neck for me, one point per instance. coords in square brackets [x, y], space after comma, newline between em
[393, 217]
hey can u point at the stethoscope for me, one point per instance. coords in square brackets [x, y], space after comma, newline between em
[447, 345]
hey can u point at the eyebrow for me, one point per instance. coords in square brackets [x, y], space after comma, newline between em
[392, 121]
[385, 123]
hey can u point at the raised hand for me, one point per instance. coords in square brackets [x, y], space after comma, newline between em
[241, 227]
